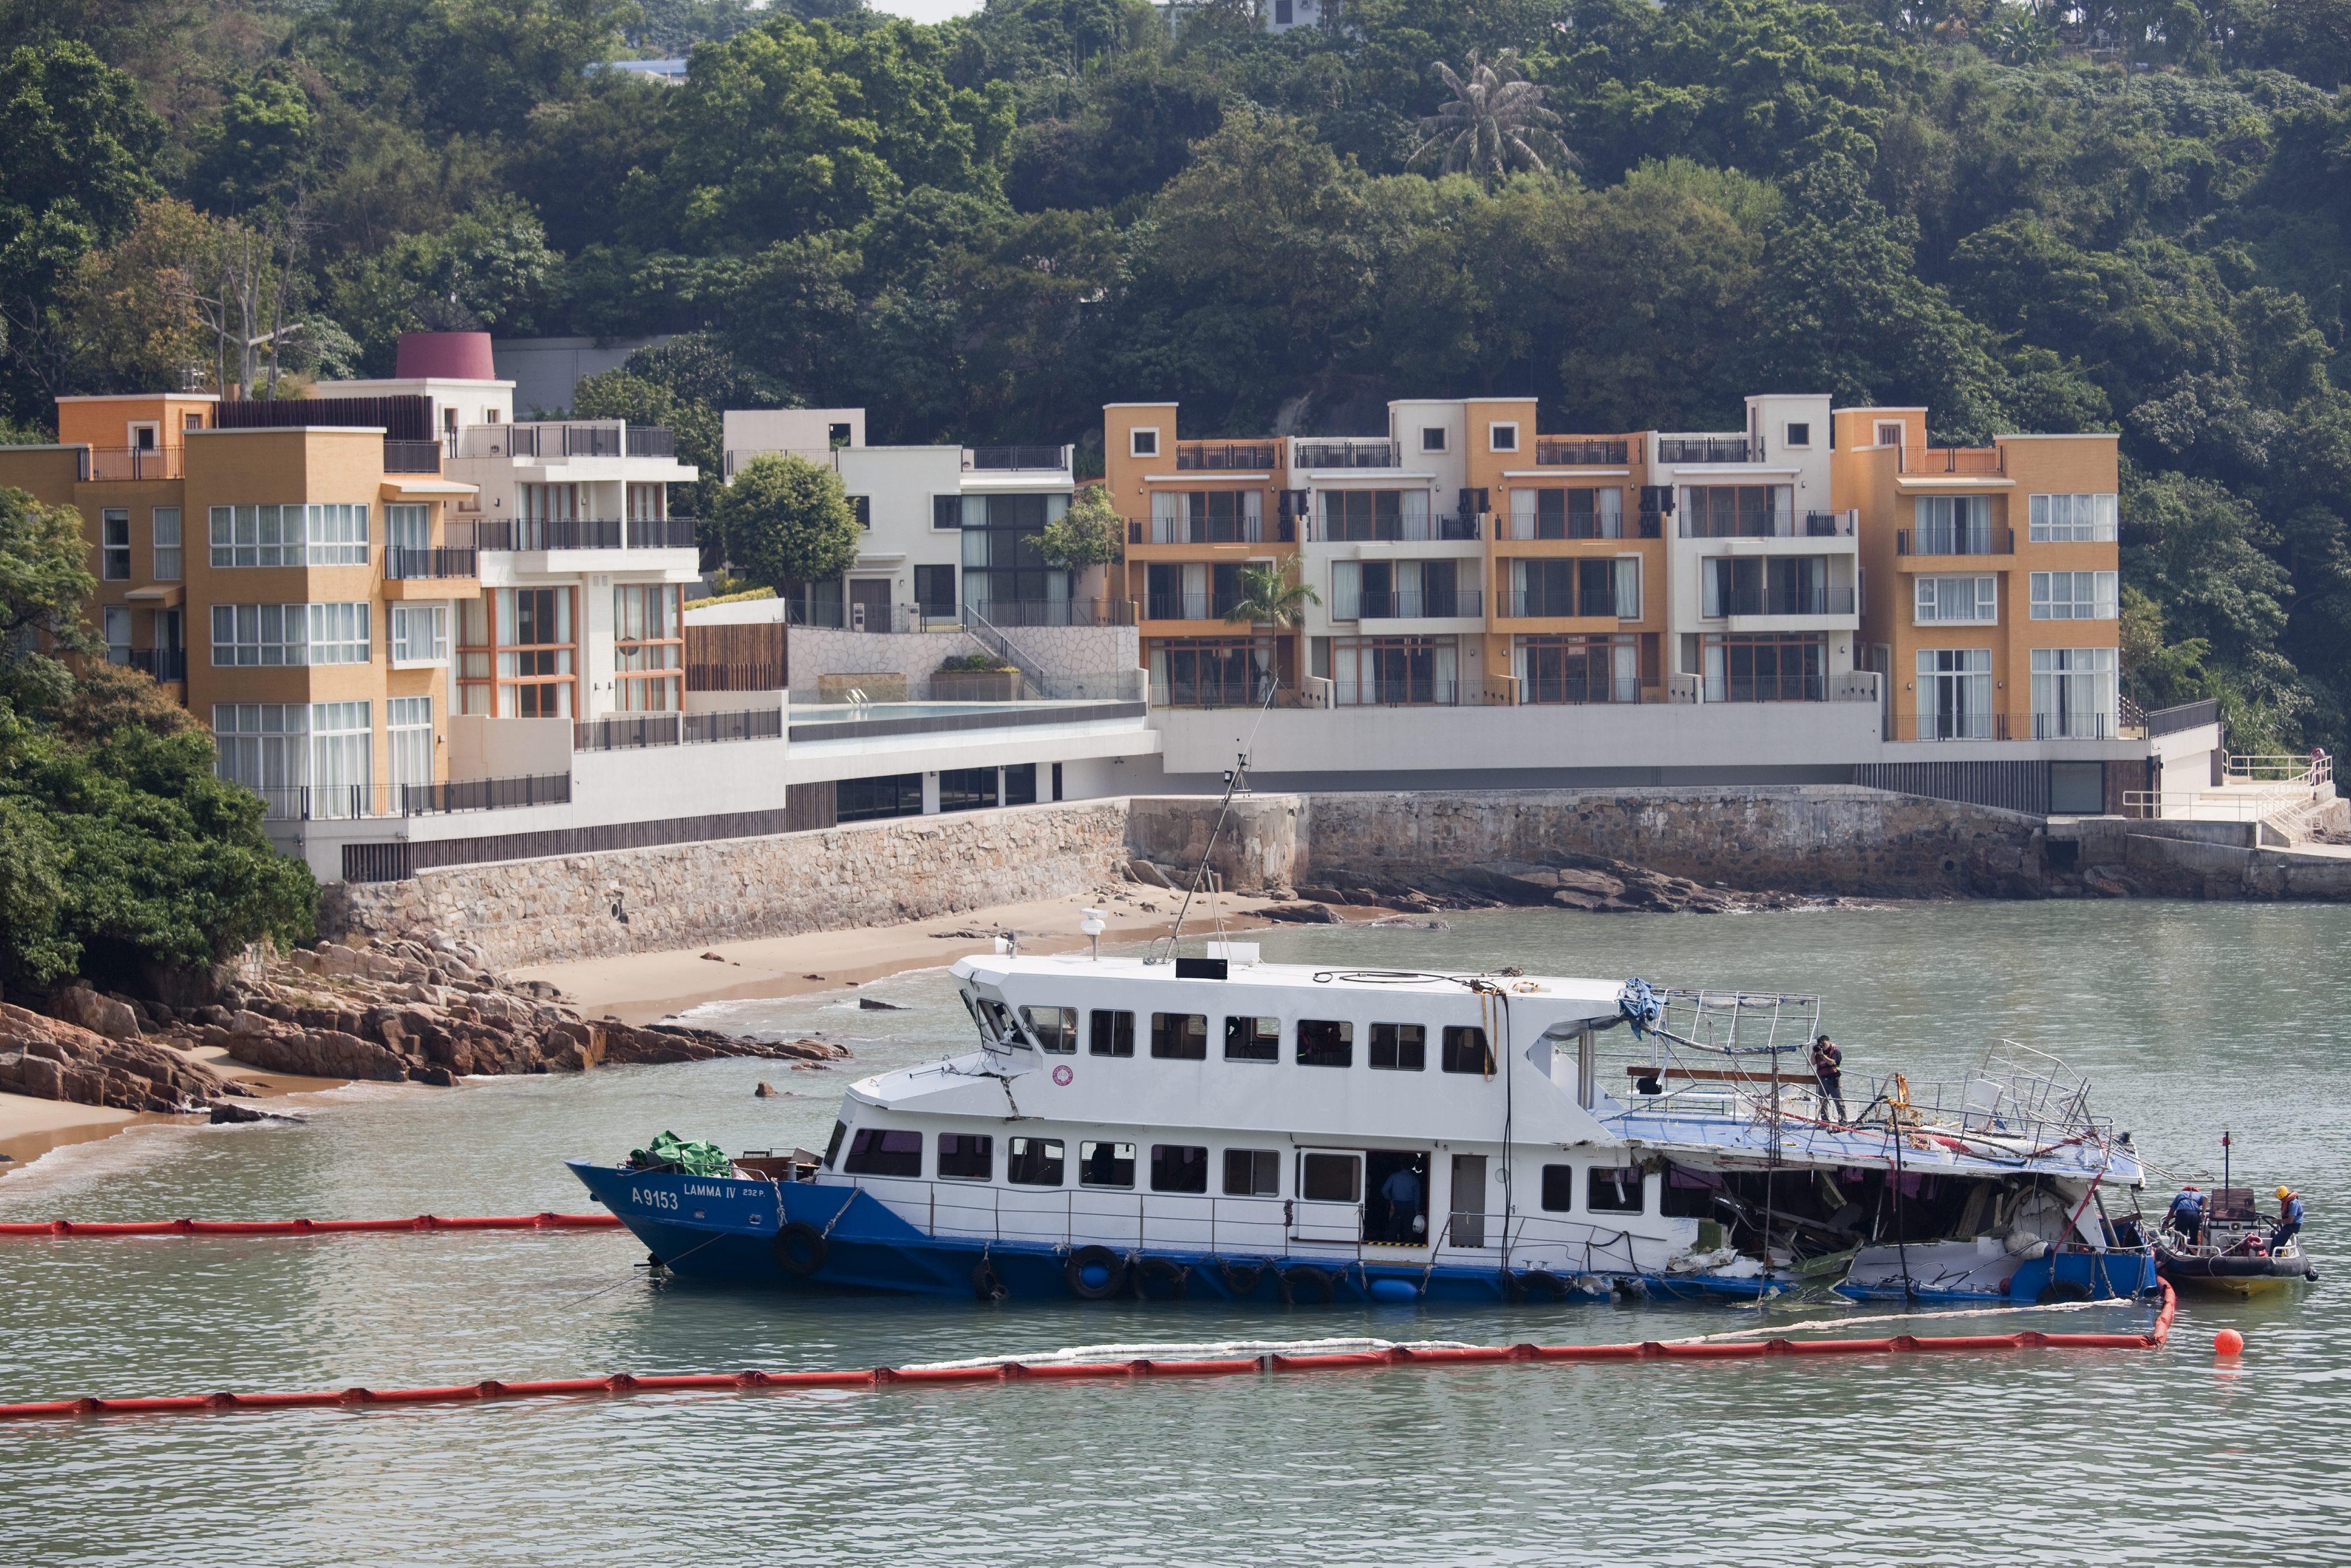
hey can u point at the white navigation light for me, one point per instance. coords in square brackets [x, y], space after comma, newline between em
[1094, 926]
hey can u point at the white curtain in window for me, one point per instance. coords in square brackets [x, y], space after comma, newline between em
[2074, 692]
[1628, 585]
[408, 731]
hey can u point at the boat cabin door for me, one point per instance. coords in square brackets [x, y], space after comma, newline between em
[1467, 1225]
[1330, 1203]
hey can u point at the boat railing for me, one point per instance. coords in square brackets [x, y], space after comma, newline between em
[1240, 1227]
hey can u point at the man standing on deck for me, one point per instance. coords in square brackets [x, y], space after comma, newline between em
[1401, 1190]
[2289, 1218]
[2187, 1215]
[1828, 1069]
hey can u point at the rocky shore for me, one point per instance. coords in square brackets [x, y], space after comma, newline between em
[1562, 880]
[397, 1010]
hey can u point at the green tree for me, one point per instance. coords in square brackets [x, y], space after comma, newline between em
[260, 150]
[1271, 596]
[44, 579]
[1494, 123]
[787, 521]
[1091, 533]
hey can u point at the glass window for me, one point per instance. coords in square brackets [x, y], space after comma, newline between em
[419, 634]
[117, 620]
[166, 521]
[1800, 435]
[648, 646]
[1252, 1039]
[864, 799]
[1111, 1033]
[1958, 602]
[831, 1149]
[264, 747]
[1400, 1046]
[1105, 1164]
[1432, 438]
[966, 1157]
[1502, 437]
[966, 789]
[1020, 784]
[1144, 442]
[114, 554]
[1179, 1037]
[2074, 694]
[1558, 1188]
[1056, 1028]
[875, 1152]
[408, 730]
[256, 536]
[1613, 1189]
[1952, 525]
[1252, 1173]
[1035, 1162]
[2073, 595]
[1325, 1043]
[336, 534]
[1466, 1051]
[2072, 520]
[341, 755]
[1178, 1167]
[1330, 1178]
[2077, 788]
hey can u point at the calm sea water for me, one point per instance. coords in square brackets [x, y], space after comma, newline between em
[2188, 1018]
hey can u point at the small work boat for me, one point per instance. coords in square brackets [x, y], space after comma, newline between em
[2232, 1254]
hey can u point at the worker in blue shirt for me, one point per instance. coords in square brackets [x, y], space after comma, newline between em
[2289, 1218]
[1401, 1190]
[2187, 1215]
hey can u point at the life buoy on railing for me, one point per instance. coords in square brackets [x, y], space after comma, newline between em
[801, 1250]
[1305, 1281]
[1085, 1264]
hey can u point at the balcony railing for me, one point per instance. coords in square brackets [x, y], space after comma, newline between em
[635, 731]
[158, 664]
[107, 464]
[1572, 689]
[1526, 527]
[402, 563]
[1580, 451]
[1707, 449]
[1962, 726]
[1417, 604]
[2187, 716]
[1436, 528]
[661, 533]
[1531, 603]
[1766, 689]
[1929, 460]
[1772, 525]
[1772, 600]
[1189, 606]
[1013, 613]
[989, 459]
[1955, 541]
[342, 802]
[412, 457]
[1398, 691]
[2075, 724]
[1346, 455]
[1210, 530]
[584, 533]
[835, 616]
[1241, 692]
[651, 441]
[1209, 457]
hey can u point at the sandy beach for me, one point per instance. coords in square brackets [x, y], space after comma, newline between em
[30, 1128]
[645, 988]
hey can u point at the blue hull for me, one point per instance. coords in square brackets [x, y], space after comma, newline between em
[2064, 1276]
[726, 1230]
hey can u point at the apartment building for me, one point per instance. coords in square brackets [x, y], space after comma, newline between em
[1999, 616]
[236, 546]
[951, 532]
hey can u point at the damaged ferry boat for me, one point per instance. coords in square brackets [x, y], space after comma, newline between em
[1226, 1128]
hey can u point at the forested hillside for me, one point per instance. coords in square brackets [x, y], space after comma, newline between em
[2132, 218]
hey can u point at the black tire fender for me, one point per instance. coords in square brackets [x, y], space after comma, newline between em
[799, 1250]
[985, 1282]
[1241, 1278]
[1540, 1285]
[1165, 1275]
[1102, 1257]
[1304, 1280]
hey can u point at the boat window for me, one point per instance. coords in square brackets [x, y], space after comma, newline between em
[1559, 1189]
[839, 1131]
[1112, 1034]
[1056, 1028]
[1613, 1189]
[1178, 1167]
[875, 1152]
[1330, 1178]
[1034, 1162]
[1105, 1165]
[1252, 1173]
[1690, 1195]
[1400, 1046]
[996, 1020]
[1252, 1039]
[1180, 1037]
[966, 1157]
[1325, 1043]
[1466, 1051]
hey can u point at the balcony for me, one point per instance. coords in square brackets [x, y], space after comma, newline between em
[1932, 462]
[1960, 726]
[1707, 449]
[1955, 541]
[1398, 691]
[2075, 724]
[1772, 526]
[1015, 613]
[106, 464]
[584, 533]
[1214, 457]
[1581, 452]
[1349, 453]
[1535, 604]
[343, 802]
[1574, 690]
[1016, 459]
[564, 438]
[1245, 691]
[412, 457]
[1210, 530]
[157, 664]
[405, 564]
[1416, 604]
[1441, 527]
[1815, 600]
[1189, 606]
[1526, 527]
[634, 731]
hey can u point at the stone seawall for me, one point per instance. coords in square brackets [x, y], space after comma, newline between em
[684, 895]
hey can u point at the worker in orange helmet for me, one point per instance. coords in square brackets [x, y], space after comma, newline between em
[2289, 1224]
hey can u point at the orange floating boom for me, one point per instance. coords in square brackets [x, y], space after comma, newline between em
[543, 1221]
[1015, 1371]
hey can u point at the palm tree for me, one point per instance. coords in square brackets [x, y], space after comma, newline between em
[1495, 123]
[1271, 598]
